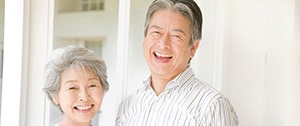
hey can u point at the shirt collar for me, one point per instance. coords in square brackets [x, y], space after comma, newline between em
[186, 76]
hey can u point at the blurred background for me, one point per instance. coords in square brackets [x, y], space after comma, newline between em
[250, 52]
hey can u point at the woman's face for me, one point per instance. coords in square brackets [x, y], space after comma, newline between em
[80, 95]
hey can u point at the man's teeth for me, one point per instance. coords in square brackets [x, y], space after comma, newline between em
[162, 55]
[84, 107]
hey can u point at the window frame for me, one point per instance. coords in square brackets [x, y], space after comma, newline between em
[12, 63]
[27, 41]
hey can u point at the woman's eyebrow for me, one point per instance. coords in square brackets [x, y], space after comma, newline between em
[93, 78]
[70, 81]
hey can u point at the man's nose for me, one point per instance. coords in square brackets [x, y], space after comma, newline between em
[164, 42]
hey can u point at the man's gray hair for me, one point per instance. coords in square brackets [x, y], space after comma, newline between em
[187, 8]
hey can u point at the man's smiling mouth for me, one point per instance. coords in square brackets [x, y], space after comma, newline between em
[159, 55]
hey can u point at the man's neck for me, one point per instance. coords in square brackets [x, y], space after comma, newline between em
[159, 84]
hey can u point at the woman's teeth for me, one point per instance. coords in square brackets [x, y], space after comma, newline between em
[83, 107]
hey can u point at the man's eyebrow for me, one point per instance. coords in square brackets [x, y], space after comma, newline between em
[179, 30]
[155, 26]
[176, 30]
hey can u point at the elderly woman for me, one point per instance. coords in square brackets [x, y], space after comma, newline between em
[75, 81]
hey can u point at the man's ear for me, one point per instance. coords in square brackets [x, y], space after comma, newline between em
[194, 47]
[55, 100]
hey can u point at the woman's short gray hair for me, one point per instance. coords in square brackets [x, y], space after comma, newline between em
[72, 57]
[187, 8]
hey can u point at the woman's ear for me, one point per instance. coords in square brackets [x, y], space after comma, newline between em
[55, 99]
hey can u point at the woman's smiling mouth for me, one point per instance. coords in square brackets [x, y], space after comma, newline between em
[83, 108]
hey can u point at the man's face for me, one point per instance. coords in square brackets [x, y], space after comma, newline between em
[166, 44]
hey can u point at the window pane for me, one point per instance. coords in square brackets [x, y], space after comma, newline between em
[96, 30]
[67, 6]
[93, 6]
[85, 6]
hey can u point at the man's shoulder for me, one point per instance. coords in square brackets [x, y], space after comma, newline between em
[205, 91]
[135, 94]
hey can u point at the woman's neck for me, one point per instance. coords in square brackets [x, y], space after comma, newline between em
[69, 122]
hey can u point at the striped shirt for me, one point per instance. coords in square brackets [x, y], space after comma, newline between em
[186, 101]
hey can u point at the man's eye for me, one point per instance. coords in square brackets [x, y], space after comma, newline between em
[176, 37]
[155, 33]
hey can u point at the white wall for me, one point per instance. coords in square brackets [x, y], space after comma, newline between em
[244, 60]
[280, 28]
[203, 62]
[257, 60]
[294, 99]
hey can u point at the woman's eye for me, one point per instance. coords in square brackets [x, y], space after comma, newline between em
[93, 85]
[72, 88]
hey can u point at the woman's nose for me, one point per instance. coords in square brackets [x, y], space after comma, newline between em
[84, 95]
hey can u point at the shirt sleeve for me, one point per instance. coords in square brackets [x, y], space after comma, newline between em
[220, 113]
[122, 114]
